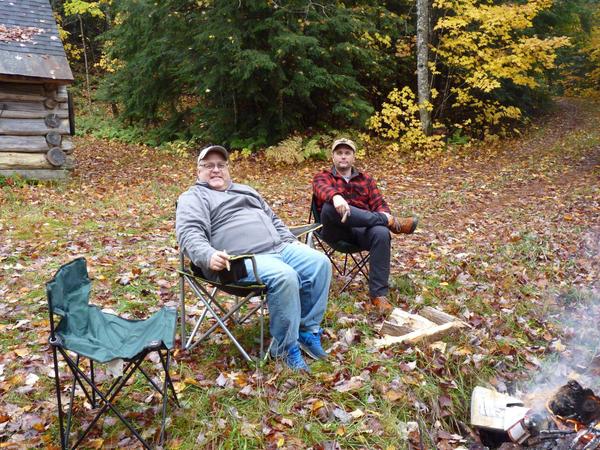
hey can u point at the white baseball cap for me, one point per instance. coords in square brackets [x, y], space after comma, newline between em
[213, 148]
[343, 141]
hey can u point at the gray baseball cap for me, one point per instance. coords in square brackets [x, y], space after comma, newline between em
[213, 148]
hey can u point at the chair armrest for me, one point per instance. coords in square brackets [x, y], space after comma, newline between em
[301, 230]
[232, 258]
[254, 266]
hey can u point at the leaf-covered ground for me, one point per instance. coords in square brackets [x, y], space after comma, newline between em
[509, 237]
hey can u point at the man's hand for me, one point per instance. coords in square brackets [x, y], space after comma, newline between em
[341, 206]
[219, 261]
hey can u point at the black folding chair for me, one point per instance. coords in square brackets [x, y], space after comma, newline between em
[249, 298]
[355, 260]
[85, 332]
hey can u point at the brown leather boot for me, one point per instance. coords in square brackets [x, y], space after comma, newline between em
[381, 305]
[404, 225]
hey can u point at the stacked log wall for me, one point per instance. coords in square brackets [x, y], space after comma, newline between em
[35, 137]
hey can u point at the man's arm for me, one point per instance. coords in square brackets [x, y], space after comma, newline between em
[192, 228]
[325, 187]
[376, 200]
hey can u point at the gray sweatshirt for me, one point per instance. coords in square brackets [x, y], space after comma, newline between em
[237, 220]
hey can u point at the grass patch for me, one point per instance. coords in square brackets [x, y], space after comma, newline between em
[508, 269]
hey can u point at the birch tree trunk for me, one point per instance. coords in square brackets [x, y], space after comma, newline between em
[422, 64]
[85, 59]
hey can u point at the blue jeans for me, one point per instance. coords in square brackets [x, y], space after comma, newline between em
[297, 280]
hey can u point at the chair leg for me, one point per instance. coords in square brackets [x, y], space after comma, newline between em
[182, 298]
[108, 400]
[329, 253]
[167, 384]
[346, 285]
[224, 319]
[359, 267]
[222, 325]
[262, 326]
[155, 385]
[151, 381]
[63, 441]
[268, 352]
[346, 264]
[165, 396]
[93, 382]
[188, 345]
[206, 298]
[170, 381]
[117, 380]
[71, 400]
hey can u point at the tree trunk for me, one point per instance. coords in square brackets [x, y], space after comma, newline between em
[422, 67]
[85, 59]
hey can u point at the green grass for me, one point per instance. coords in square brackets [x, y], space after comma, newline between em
[508, 277]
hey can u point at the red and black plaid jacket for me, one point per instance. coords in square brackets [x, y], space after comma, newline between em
[361, 191]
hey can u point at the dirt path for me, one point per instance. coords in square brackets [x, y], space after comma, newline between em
[546, 183]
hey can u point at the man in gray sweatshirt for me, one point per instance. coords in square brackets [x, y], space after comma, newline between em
[217, 218]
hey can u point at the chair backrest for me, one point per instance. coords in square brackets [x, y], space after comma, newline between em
[314, 211]
[68, 295]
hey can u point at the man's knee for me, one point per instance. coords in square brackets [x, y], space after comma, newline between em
[316, 262]
[320, 262]
[284, 277]
[380, 235]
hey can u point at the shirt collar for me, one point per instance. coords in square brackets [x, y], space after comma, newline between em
[353, 173]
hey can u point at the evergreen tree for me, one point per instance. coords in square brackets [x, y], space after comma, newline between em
[251, 71]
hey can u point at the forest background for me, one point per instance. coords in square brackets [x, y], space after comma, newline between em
[255, 74]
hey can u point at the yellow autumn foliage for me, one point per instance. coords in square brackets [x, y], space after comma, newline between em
[399, 122]
[73, 52]
[480, 47]
[485, 45]
[587, 85]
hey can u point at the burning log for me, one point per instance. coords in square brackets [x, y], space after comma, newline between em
[573, 402]
[571, 420]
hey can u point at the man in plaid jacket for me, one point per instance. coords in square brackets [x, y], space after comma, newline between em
[353, 209]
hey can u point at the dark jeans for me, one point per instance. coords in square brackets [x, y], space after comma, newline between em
[369, 231]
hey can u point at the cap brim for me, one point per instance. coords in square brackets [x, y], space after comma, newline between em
[213, 148]
[343, 143]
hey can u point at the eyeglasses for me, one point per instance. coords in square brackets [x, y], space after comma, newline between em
[213, 166]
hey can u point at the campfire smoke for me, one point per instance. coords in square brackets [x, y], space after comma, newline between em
[577, 357]
[561, 409]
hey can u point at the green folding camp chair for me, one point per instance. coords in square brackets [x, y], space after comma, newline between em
[84, 331]
[249, 298]
[355, 260]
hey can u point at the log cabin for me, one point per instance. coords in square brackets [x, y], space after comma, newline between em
[36, 114]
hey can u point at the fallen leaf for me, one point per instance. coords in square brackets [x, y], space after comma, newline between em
[352, 384]
[31, 379]
[393, 395]
[22, 351]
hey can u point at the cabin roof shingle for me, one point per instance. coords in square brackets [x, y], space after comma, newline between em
[42, 54]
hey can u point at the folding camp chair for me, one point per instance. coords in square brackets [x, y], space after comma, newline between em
[87, 332]
[355, 260]
[250, 297]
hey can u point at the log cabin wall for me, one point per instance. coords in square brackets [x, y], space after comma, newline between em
[35, 131]
[34, 106]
